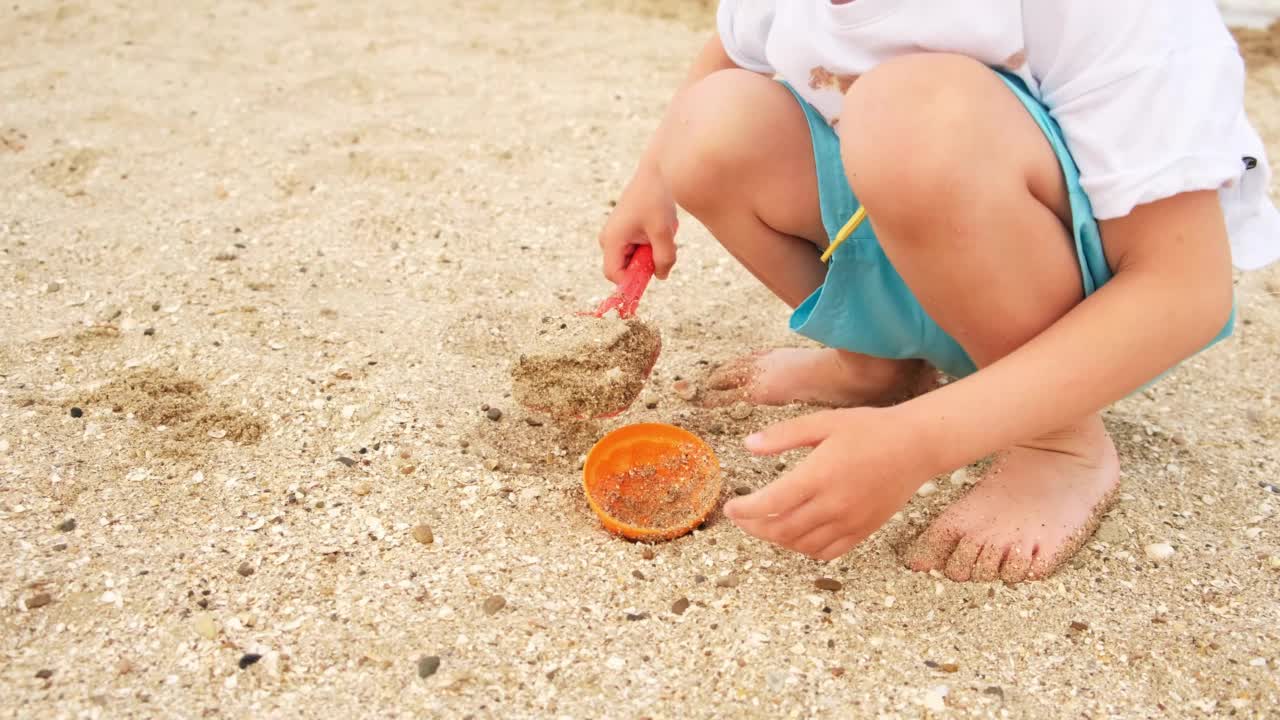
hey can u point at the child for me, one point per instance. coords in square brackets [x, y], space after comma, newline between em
[1054, 193]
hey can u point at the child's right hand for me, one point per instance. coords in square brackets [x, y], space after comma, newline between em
[646, 215]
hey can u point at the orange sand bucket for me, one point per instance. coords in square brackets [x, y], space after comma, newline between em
[651, 481]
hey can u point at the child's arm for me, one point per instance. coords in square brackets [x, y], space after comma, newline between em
[1170, 295]
[646, 212]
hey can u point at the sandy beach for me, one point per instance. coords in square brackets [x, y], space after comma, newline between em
[263, 268]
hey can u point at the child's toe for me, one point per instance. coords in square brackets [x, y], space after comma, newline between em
[960, 564]
[931, 549]
[1043, 562]
[987, 567]
[1016, 563]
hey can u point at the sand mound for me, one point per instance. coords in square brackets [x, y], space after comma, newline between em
[583, 366]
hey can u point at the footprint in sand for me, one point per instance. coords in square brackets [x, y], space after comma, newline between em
[12, 140]
[68, 172]
[192, 418]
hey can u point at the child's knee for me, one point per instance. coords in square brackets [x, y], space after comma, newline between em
[899, 130]
[718, 125]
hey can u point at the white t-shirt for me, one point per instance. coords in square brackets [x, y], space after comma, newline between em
[1149, 93]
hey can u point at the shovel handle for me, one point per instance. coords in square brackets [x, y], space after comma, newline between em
[636, 276]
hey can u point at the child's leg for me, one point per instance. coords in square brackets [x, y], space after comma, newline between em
[969, 203]
[742, 163]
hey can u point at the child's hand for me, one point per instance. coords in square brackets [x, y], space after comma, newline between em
[646, 215]
[863, 469]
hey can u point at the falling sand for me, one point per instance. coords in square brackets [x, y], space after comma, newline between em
[583, 366]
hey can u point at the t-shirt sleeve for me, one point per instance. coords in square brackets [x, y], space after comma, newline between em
[744, 31]
[1149, 95]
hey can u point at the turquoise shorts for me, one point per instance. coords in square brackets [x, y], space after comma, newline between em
[865, 307]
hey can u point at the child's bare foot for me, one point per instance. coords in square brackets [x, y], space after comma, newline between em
[834, 378]
[1036, 506]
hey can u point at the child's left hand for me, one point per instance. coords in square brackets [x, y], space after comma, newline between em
[864, 467]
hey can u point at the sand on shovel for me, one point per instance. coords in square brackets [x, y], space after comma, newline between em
[582, 366]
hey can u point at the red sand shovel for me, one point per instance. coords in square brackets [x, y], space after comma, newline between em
[626, 298]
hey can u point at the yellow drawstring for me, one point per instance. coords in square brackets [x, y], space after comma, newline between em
[845, 232]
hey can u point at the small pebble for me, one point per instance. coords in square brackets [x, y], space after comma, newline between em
[678, 607]
[949, 667]
[44, 674]
[1274, 562]
[728, 581]
[60, 547]
[204, 626]
[649, 399]
[1077, 626]
[493, 604]
[38, 600]
[77, 412]
[837, 672]
[995, 690]
[347, 461]
[67, 525]
[1159, 551]
[828, 584]
[124, 666]
[490, 464]
[248, 659]
[927, 489]
[960, 477]
[742, 490]
[149, 331]
[533, 421]
[637, 616]
[52, 287]
[428, 665]
[684, 389]
[362, 488]
[780, 465]
[423, 534]
[493, 413]
[935, 698]
[740, 411]
[647, 553]
[407, 470]
[699, 578]
[637, 575]
[245, 569]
